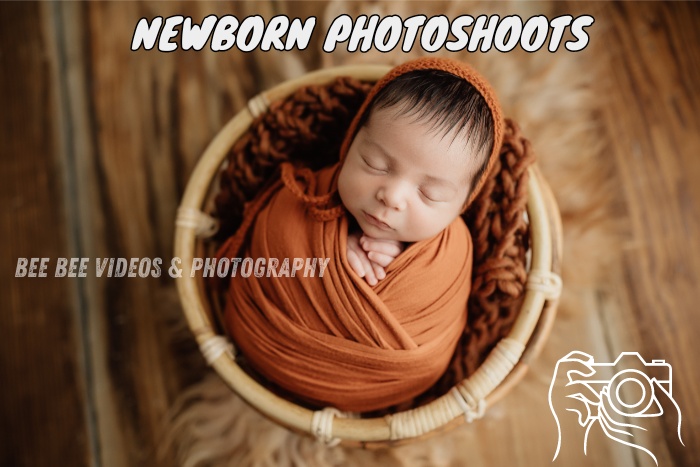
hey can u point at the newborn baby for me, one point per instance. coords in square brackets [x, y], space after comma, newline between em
[381, 325]
[422, 148]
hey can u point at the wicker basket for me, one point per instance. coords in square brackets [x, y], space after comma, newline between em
[503, 368]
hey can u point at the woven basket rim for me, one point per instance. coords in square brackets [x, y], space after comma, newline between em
[545, 228]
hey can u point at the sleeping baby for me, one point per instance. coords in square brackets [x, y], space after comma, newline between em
[381, 325]
[422, 147]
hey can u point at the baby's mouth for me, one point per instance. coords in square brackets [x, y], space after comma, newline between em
[376, 222]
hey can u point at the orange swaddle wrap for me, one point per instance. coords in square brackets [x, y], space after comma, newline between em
[334, 340]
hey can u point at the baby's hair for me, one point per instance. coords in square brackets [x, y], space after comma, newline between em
[445, 100]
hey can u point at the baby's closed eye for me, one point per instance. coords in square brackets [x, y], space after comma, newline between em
[437, 194]
[432, 197]
[374, 166]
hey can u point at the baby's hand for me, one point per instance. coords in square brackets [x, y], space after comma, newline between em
[381, 252]
[360, 262]
[369, 256]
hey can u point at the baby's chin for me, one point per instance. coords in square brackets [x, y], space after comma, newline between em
[383, 234]
[375, 232]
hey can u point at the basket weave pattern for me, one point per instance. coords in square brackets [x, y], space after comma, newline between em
[308, 127]
[511, 308]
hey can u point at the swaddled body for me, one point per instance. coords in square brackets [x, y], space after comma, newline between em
[335, 340]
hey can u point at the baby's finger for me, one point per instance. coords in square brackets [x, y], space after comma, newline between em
[380, 258]
[378, 271]
[369, 276]
[360, 263]
[355, 263]
[387, 247]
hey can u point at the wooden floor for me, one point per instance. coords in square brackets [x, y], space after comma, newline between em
[98, 143]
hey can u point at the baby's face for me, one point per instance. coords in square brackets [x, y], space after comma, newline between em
[403, 180]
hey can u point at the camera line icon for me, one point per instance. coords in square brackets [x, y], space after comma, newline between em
[614, 395]
[628, 375]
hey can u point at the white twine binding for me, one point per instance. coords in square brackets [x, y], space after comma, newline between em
[203, 224]
[258, 105]
[322, 424]
[416, 422]
[546, 282]
[470, 414]
[215, 347]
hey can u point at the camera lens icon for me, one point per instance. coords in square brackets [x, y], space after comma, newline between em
[631, 393]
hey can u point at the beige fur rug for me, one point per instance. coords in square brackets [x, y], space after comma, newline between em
[550, 95]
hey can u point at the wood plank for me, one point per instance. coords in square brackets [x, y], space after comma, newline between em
[140, 121]
[653, 119]
[43, 404]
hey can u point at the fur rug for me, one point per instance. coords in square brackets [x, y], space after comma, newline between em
[551, 97]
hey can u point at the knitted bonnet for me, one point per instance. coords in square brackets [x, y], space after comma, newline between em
[459, 69]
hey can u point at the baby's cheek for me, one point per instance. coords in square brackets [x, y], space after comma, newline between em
[348, 188]
[427, 224]
[422, 220]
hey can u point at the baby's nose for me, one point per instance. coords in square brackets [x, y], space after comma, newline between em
[392, 196]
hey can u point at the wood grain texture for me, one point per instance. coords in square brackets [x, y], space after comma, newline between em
[653, 115]
[128, 128]
[142, 121]
[43, 409]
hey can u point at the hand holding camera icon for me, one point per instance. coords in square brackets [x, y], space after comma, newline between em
[615, 395]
